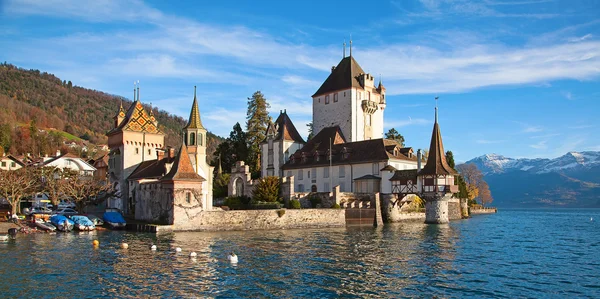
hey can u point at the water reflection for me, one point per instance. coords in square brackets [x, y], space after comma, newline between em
[403, 260]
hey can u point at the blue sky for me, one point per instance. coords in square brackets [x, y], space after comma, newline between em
[518, 78]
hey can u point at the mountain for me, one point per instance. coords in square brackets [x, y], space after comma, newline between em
[30, 98]
[571, 180]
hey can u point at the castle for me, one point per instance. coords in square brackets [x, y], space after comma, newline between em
[151, 180]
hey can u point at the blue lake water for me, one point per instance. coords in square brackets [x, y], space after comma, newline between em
[512, 254]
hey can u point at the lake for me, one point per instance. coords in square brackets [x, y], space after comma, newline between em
[512, 254]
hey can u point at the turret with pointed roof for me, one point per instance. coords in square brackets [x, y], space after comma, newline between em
[182, 169]
[436, 161]
[194, 122]
[195, 138]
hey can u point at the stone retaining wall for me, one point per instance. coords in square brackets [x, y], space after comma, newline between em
[454, 212]
[483, 211]
[260, 219]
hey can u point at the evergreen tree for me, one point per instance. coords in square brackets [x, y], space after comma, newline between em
[5, 137]
[233, 149]
[392, 134]
[450, 159]
[310, 131]
[257, 120]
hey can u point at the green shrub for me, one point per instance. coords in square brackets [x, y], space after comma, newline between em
[234, 203]
[336, 206]
[280, 213]
[314, 201]
[261, 205]
[267, 190]
[295, 204]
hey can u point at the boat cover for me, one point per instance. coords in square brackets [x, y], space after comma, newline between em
[58, 219]
[82, 220]
[113, 217]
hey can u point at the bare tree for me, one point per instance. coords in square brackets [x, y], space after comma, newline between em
[485, 195]
[14, 184]
[473, 178]
[51, 179]
[85, 190]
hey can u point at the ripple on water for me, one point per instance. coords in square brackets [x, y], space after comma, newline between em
[517, 253]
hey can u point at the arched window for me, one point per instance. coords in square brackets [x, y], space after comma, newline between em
[199, 138]
[192, 139]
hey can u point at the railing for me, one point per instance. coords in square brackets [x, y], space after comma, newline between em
[441, 188]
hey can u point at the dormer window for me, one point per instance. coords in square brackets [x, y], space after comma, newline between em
[335, 97]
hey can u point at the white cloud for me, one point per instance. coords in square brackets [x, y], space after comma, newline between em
[398, 123]
[568, 95]
[540, 145]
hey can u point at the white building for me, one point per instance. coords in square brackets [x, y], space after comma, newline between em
[348, 149]
[8, 162]
[70, 162]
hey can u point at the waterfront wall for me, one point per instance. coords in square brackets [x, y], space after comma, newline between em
[483, 211]
[454, 212]
[257, 219]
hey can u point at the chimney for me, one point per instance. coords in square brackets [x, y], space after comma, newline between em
[333, 68]
[171, 152]
[419, 157]
[160, 154]
[57, 152]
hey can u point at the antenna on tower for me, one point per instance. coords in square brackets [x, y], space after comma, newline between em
[350, 45]
[138, 90]
[344, 48]
[134, 91]
[436, 108]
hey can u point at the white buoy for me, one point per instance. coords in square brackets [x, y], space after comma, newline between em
[124, 245]
[177, 249]
[153, 247]
[232, 258]
[192, 254]
[592, 219]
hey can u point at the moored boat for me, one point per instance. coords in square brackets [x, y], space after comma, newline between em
[62, 223]
[45, 226]
[114, 220]
[83, 223]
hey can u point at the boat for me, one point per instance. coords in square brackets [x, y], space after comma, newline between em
[95, 219]
[45, 226]
[83, 223]
[114, 220]
[62, 223]
[3, 238]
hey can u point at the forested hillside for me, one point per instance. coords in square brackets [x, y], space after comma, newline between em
[33, 99]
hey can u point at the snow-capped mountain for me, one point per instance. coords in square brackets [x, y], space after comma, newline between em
[572, 161]
[572, 180]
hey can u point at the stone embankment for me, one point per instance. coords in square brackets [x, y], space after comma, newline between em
[259, 219]
[477, 211]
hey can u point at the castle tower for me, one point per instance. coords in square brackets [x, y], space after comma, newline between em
[282, 141]
[134, 139]
[349, 99]
[437, 179]
[195, 141]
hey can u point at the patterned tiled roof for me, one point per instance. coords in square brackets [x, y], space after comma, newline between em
[137, 120]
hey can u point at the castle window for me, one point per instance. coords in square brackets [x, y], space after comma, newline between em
[3, 164]
[344, 94]
[342, 171]
[300, 188]
[335, 97]
[300, 174]
[137, 150]
[188, 197]
[326, 99]
[314, 175]
[192, 139]
[149, 152]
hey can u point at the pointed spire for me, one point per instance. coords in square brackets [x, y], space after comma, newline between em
[182, 168]
[194, 122]
[436, 109]
[134, 91]
[344, 49]
[436, 159]
[219, 169]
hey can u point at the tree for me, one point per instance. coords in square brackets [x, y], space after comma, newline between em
[257, 121]
[233, 149]
[5, 137]
[473, 177]
[52, 182]
[267, 190]
[392, 134]
[485, 195]
[85, 190]
[450, 159]
[14, 184]
[310, 131]
[220, 185]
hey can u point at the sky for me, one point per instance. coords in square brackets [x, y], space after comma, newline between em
[518, 78]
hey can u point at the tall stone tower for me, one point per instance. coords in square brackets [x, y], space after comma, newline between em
[133, 140]
[195, 141]
[349, 99]
[437, 179]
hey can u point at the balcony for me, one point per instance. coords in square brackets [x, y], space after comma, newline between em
[440, 189]
[369, 107]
